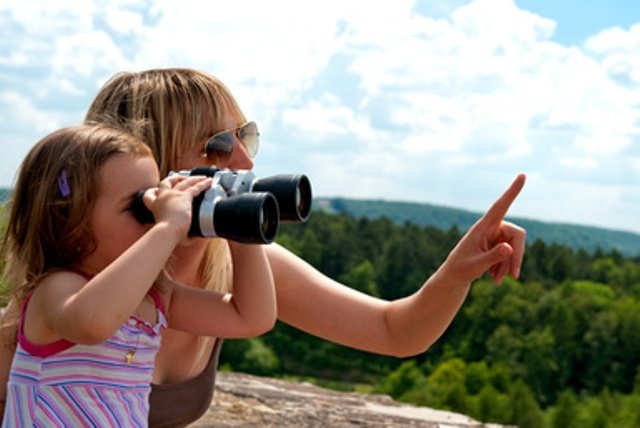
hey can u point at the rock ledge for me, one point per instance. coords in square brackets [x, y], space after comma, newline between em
[243, 400]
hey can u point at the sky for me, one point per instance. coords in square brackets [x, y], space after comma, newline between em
[439, 102]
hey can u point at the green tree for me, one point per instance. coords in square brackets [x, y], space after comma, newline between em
[627, 312]
[402, 380]
[249, 356]
[566, 411]
[456, 399]
[540, 364]
[476, 377]
[361, 277]
[591, 414]
[607, 271]
[525, 411]
[492, 406]
[505, 346]
[500, 377]
[564, 328]
[562, 264]
[311, 248]
[477, 321]
[446, 386]
[601, 343]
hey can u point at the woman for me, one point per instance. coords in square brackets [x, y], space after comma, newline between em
[189, 118]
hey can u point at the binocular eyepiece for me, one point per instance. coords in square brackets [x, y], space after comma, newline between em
[240, 207]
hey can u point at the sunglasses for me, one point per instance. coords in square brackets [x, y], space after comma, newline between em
[219, 147]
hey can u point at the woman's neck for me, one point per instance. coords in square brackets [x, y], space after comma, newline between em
[184, 264]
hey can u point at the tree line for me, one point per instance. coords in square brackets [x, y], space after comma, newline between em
[558, 347]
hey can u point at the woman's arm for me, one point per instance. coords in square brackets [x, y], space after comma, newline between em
[320, 306]
[248, 310]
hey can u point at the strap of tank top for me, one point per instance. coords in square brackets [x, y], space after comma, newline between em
[157, 299]
[38, 350]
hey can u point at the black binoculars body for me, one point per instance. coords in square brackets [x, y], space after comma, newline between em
[240, 207]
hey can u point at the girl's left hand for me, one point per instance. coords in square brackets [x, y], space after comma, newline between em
[172, 200]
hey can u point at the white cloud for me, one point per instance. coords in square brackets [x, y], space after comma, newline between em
[327, 116]
[19, 111]
[14, 59]
[600, 204]
[21, 125]
[482, 80]
[615, 39]
[85, 54]
[287, 41]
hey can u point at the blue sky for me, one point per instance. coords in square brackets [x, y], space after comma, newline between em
[428, 101]
[577, 20]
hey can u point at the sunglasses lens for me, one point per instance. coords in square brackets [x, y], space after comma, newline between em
[219, 148]
[250, 138]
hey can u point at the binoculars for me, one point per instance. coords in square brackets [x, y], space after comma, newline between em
[240, 207]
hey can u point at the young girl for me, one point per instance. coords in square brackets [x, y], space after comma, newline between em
[90, 283]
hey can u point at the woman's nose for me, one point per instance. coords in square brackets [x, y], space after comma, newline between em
[240, 159]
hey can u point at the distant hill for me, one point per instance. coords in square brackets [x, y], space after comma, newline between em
[574, 236]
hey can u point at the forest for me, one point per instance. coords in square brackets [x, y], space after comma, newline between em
[560, 347]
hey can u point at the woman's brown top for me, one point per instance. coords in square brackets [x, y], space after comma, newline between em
[179, 404]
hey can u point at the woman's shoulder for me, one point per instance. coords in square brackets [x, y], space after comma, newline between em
[164, 289]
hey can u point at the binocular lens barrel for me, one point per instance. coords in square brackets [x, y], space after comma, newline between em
[249, 218]
[293, 193]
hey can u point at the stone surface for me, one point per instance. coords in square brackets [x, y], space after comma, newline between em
[243, 400]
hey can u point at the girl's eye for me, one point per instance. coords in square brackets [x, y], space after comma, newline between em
[138, 208]
[134, 202]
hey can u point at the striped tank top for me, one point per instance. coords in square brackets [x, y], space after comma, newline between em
[64, 384]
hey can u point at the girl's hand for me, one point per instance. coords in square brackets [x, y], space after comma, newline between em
[171, 201]
[491, 244]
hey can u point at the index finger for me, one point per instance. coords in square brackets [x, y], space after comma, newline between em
[499, 209]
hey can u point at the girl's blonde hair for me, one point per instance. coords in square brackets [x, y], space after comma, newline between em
[53, 196]
[171, 110]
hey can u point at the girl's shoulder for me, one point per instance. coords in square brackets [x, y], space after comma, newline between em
[60, 281]
[65, 276]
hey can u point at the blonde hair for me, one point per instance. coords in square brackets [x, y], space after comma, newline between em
[54, 194]
[171, 110]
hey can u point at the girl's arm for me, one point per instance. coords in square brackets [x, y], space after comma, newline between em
[90, 312]
[249, 310]
[318, 305]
